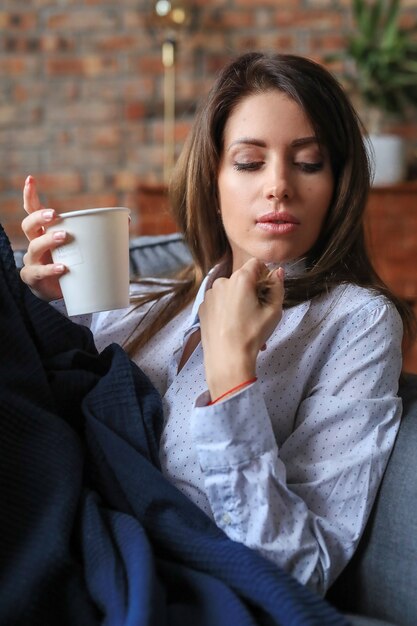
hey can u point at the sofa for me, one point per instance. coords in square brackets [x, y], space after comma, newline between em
[376, 588]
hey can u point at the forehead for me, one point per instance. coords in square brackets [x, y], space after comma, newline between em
[272, 115]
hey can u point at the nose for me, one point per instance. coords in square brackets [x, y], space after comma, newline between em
[277, 194]
[278, 185]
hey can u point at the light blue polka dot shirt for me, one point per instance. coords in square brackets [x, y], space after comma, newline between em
[290, 465]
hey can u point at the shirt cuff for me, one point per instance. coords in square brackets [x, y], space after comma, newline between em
[233, 431]
[59, 305]
[83, 320]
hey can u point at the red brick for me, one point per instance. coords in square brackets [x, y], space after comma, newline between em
[8, 114]
[230, 19]
[150, 65]
[308, 19]
[82, 113]
[62, 42]
[141, 87]
[11, 115]
[17, 65]
[83, 19]
[90, 66]
[102, 137]
[255, 5]
[14, 232]
[124, 181]
[25, 90]
[19, 20]
[12, 205]
[80, 201]
[134, 111]
[326, 43]
[134, 20]
[96, 180]
[59, 183]
[115, 43]
[24, 138]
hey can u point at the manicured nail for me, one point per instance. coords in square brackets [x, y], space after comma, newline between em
[59, 235]
[48, 215]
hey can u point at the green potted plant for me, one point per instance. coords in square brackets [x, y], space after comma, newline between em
[382, 77]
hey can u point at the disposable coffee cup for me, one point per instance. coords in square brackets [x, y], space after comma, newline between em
[96, 255]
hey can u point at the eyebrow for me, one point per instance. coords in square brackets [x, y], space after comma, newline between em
[302, 141]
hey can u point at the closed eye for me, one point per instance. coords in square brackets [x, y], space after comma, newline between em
[251, 166]
[310, 168]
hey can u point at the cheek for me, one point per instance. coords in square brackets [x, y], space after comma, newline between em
[222, 191]
[324, 199]
[229, 197]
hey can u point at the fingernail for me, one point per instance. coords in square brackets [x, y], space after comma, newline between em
[281, 273]
[59, 268]
[48, 214]
[59, 235]
[28, 180]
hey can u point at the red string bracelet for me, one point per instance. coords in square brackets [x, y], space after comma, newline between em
[226, 393]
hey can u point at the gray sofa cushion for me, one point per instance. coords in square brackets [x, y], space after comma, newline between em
[18, 258]
[358, 620]
[380, 581]
[158, 255]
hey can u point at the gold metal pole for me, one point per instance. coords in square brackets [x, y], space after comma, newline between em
[168, 60]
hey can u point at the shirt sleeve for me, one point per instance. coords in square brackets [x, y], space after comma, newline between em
[304, 505]
[115, 326]
[83, 320]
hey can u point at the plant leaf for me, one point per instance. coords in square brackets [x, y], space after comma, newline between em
[391, 32]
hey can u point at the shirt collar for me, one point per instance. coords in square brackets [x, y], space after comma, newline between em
[216, 272]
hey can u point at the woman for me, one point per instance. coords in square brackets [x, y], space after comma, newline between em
[282, 432]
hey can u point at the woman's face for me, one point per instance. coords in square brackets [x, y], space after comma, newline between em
[275, 181]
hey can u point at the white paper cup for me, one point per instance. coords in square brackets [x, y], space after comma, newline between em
[96, 254]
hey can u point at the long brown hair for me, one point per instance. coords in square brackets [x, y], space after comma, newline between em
[339, 255]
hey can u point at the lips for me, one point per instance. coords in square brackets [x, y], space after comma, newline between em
[278, 217]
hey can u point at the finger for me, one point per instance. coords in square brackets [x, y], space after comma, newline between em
[218, 284]
[274, 286]
[34, 224]
[32, 275]
[254, 267]
[42, 245]
[270, 287]
[31, 200]
[277, 278]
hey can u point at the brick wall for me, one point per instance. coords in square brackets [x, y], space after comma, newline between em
[81, 99]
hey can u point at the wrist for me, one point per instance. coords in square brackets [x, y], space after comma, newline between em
[233, 390]
[225, 376]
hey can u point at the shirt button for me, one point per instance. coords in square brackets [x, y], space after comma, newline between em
[226, 519]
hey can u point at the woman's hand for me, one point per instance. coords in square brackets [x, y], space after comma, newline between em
[236, 323]
[39, 272]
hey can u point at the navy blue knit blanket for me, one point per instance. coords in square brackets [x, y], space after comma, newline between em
[90, 531]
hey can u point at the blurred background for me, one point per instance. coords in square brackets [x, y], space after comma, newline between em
[97, 97]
